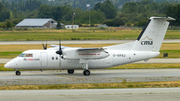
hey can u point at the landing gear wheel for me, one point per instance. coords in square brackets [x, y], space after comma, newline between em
[70, 71]
[86, 72]
[18, 73]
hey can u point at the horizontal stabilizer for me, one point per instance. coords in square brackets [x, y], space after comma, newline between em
[164, 18]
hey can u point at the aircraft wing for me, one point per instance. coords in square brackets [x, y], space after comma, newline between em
[57, 46]
[54, 46]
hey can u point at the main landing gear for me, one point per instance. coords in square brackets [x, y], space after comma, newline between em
[18, 73]
[70, 71]
[86, 72]
[84, 64]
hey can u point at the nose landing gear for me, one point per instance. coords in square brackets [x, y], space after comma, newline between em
[18, 73]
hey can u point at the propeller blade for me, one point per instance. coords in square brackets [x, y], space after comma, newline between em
[60, 44]
[60, 52]
[44, 46]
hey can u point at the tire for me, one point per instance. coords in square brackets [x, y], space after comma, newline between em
[18, 73]
[70, 71]
[86, 72]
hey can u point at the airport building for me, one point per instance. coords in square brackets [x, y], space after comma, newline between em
[38, 23]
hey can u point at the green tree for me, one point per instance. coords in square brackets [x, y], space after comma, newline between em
[95, 17]
[108, 9]
[8, 24]
[66, 13]
[97, 6]
[142, 23]
[32, 14]
[56, 12]
[15, 13]
[108, 22]
[128, 24]
[15, 21]
[136, 23]
[4, 12]
[118, 22]
[44, 11]
[173, 11]
[145, 2]
[58, 25]
[130, 7]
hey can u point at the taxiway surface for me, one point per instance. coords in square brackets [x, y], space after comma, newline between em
[97, 76]
[134, 94]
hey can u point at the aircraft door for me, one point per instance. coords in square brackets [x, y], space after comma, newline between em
[44, 59]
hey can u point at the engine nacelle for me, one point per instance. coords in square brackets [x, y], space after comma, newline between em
[73, 53]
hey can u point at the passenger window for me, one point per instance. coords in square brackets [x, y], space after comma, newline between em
[52, 58]
[56, 58]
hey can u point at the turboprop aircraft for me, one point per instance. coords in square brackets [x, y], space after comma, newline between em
[145, 47]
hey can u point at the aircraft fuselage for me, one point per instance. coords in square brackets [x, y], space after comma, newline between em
[48, 59]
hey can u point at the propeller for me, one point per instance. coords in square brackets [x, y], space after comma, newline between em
[44, 46]
[60, 52]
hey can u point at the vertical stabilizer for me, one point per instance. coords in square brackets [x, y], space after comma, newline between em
[151, 37]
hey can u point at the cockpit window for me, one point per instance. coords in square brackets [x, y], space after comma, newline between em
[25, 55]
[22, 55]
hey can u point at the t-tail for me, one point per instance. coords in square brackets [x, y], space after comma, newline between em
[151, 37]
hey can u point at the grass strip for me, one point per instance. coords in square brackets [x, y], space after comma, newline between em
[148, 66]
[77, 35]
[171, 53]
[9, 54]
[96, 85]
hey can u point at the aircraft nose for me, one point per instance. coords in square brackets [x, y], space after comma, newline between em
[7, 65]
[10, 65]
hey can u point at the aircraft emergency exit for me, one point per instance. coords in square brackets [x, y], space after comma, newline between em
[145, 47]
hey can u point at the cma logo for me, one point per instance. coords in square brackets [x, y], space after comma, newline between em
[146, 41]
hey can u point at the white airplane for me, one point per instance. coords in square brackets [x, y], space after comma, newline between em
[145, 47]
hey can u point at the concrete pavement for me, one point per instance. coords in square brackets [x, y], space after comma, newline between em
[132, 94]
